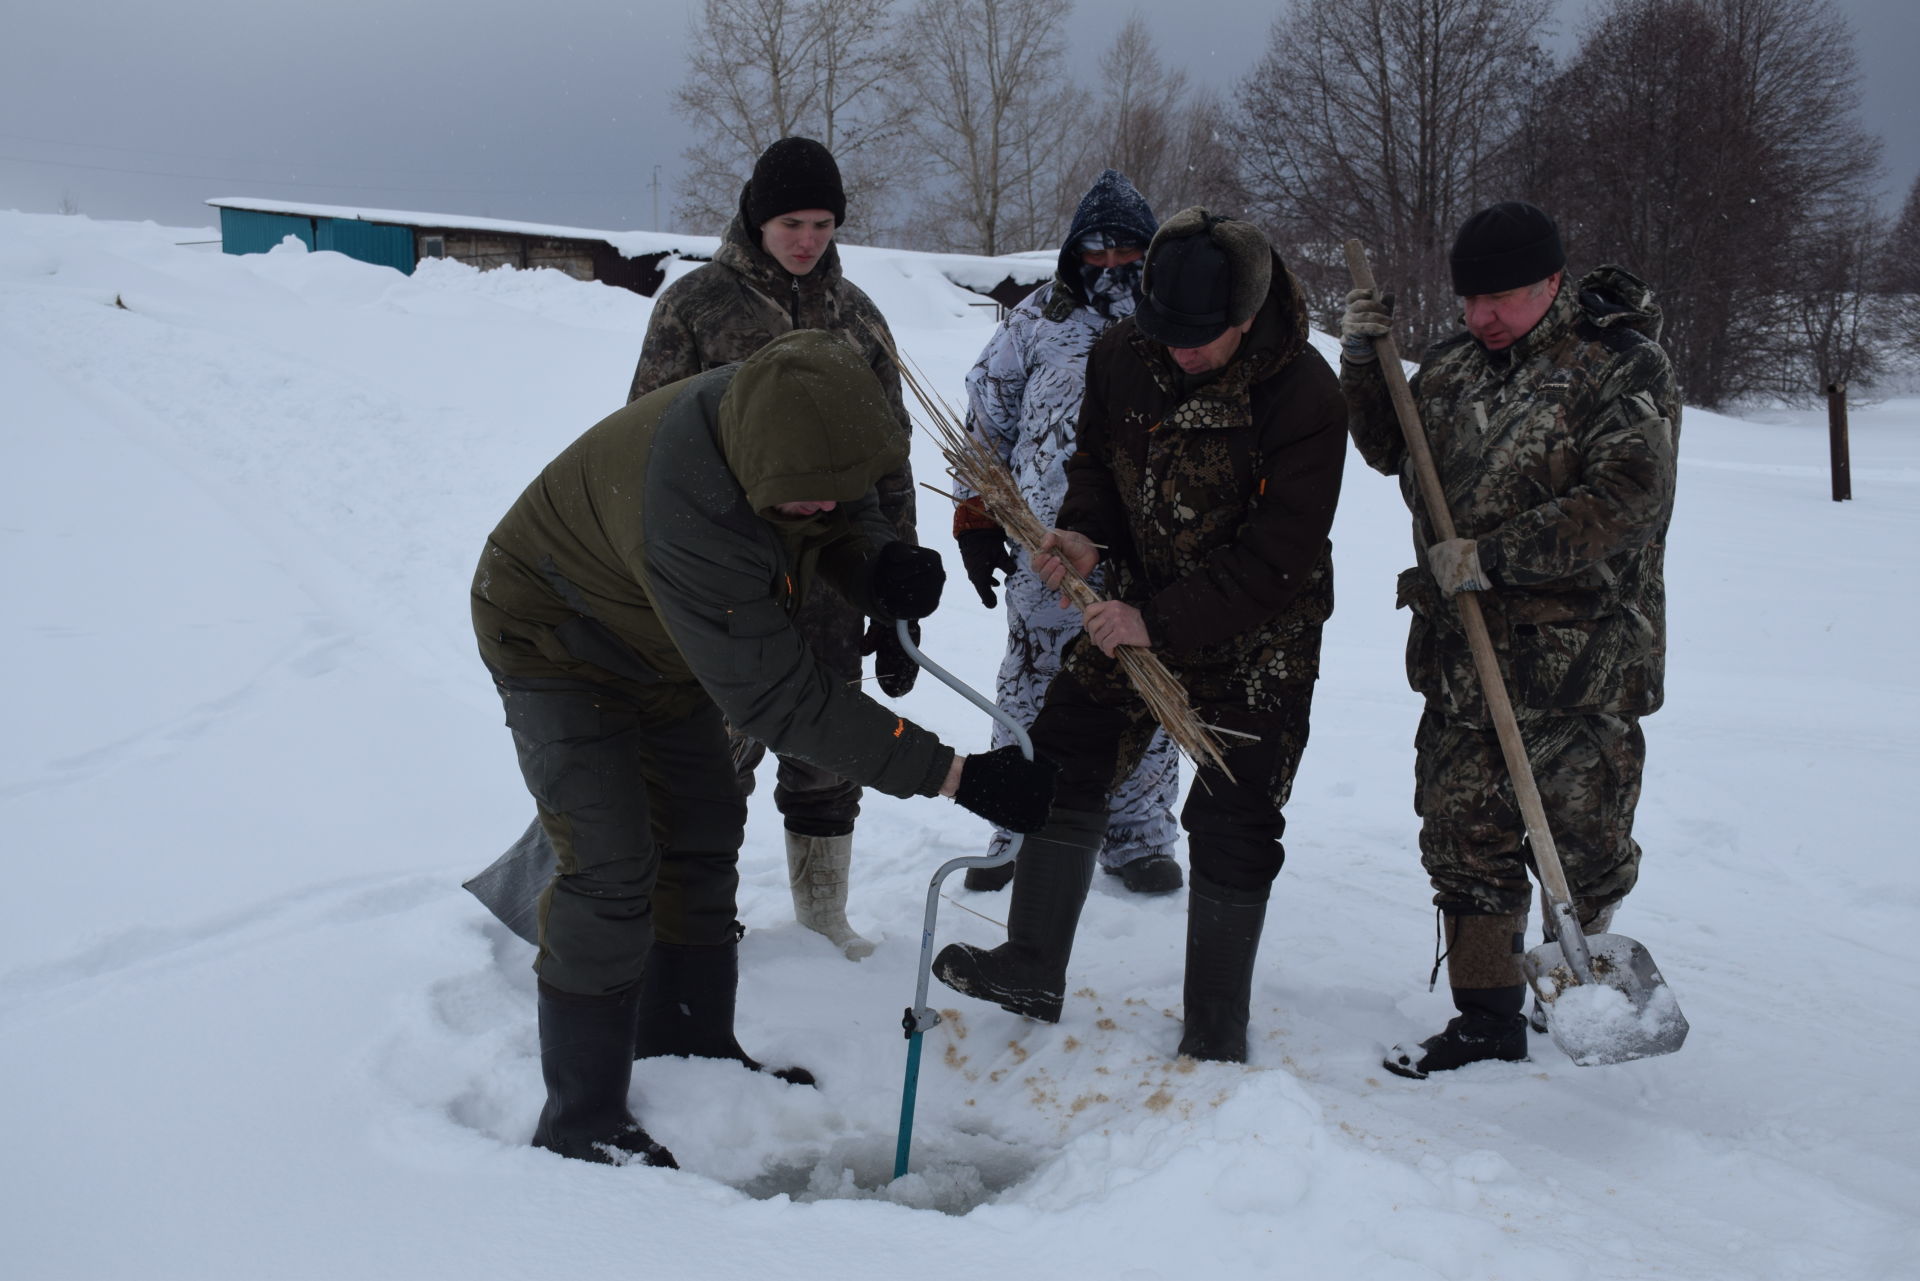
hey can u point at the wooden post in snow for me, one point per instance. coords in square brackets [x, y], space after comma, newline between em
[1837, 441]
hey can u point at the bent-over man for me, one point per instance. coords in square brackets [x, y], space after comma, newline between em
[640, 596]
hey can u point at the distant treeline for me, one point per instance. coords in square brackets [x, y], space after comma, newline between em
[1712, 146]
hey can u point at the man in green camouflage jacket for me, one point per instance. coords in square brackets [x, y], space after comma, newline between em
[639, 596]
[1553, 422]
[1209, 452]
[777, 270]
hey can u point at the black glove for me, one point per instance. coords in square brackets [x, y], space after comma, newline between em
[982, 551]
[891, 666]
[907, 580]
[1007, 789]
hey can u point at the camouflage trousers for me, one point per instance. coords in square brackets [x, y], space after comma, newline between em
[811, 800]
[1140, 807]
[1233, 825]
[1472, 838]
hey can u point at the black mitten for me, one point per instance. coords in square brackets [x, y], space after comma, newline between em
[907, 580]
[894, 671]
[1007, 789]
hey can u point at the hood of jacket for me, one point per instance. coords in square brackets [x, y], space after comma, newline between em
[1613, 296]
[806, 420]
[1112, 204]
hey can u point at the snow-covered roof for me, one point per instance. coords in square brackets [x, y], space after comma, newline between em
[631, 244]
[969, 271]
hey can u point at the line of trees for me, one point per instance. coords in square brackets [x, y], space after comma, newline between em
[1712, 146]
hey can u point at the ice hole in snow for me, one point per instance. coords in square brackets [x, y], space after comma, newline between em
[951, 1173]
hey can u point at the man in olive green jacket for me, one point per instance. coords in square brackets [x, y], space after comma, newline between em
[638, 596]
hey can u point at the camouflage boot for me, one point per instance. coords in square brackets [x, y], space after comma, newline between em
[1028, 973]
[1483, 969]
[817, 873]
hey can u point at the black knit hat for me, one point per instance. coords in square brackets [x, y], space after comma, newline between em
[1204, 275]
[794, 173]
[1504, 247]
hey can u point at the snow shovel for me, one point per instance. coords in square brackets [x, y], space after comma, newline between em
[920, 1016]
[1603, 996]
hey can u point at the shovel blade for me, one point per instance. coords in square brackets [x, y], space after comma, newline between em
[1627, 1012]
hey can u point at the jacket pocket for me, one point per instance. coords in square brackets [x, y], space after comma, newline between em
[1577, 663]
[755, 632]
[1415, 592]
[592, 641]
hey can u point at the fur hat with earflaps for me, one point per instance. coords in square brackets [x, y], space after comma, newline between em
[1204, 275]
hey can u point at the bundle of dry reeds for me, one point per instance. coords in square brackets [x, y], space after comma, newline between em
[977, 467]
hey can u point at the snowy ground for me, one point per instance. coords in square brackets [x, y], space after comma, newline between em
[250, 1026]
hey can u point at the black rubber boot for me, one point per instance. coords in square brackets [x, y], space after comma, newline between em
[1489, 1027]
[586, 1045]
[1223, 937]
[1028, 973]
[686, 1008]
[1150, 874]
[990, 880]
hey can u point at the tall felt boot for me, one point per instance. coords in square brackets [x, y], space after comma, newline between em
[1028, 973]
[1596, 920]
[817, 873]
[586, 1056]
[1483, 968]
[686, 1008]
[1223, 936]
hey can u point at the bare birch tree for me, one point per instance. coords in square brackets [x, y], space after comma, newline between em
[1385, 120]
[1140, 118]
[762, 70]
[1207, 165]
[998, 123]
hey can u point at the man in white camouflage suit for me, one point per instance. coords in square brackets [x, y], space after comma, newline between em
[1023, 397]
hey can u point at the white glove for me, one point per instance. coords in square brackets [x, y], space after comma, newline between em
[1456, 566]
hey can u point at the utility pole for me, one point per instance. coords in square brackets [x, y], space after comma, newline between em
[654, 182]
[1842, 464]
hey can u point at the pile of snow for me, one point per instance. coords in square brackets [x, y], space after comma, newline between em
[250, 1026]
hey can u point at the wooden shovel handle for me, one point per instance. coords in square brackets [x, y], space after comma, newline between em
[1493, 685]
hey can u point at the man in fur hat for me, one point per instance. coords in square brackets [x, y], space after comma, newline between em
[1211, 441]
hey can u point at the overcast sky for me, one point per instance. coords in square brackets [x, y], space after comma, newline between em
[555, 113]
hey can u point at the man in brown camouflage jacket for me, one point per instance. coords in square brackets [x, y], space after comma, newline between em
[1210, 447]
[777, 270]
[1553, 422]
